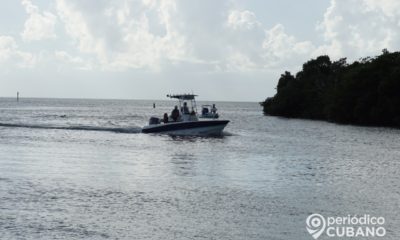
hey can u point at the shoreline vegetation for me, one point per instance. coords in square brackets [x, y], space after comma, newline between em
[365, 92]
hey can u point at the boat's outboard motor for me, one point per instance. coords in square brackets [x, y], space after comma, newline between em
[154, 120]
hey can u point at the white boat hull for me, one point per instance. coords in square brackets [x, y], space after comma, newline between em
[197, 128]
[204, 131]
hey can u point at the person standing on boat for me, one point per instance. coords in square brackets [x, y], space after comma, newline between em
[175, 114]
[213, 109]
[185, 109]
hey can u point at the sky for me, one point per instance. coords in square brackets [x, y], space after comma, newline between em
[229, 50]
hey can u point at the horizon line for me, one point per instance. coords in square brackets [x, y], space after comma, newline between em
[121, 99]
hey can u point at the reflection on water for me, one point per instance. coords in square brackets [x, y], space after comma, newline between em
[184, 164]
[260, 181]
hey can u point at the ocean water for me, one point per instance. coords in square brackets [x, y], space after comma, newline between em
[81, 169]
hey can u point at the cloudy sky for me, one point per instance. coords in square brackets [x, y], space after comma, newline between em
[143, 49]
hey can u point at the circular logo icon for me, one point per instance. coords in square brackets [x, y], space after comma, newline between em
[315, 225]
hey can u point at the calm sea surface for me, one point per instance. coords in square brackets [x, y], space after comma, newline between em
[81, 169]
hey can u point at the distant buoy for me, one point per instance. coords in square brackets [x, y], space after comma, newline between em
[154, 105]
[17, 96]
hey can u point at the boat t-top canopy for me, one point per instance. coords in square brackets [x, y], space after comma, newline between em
[185, 97]
[182, 96]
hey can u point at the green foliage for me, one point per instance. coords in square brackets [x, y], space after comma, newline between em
[366, 92]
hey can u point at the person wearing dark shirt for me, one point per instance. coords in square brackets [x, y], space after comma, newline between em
[175, 114]
[213, 109]
[165, 117]
[185, 109]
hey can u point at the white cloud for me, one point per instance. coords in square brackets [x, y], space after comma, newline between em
[80, 31]
[357, 28]
[123, 34]
[7, 47]
[282, 49]
[184, 39]
[242, 19]
[217, 36]
[390, 8]
[76, 61]
[155, 34]
[39, 25]
[11, 54]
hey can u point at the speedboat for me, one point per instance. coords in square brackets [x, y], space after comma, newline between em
[208, 111]
[185, 121]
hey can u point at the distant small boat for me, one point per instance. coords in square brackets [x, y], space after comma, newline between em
[185, 122]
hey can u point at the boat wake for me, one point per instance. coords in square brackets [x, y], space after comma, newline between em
[228, 134]
[75, 127]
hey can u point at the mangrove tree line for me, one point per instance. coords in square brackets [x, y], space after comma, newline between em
[365, 92]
